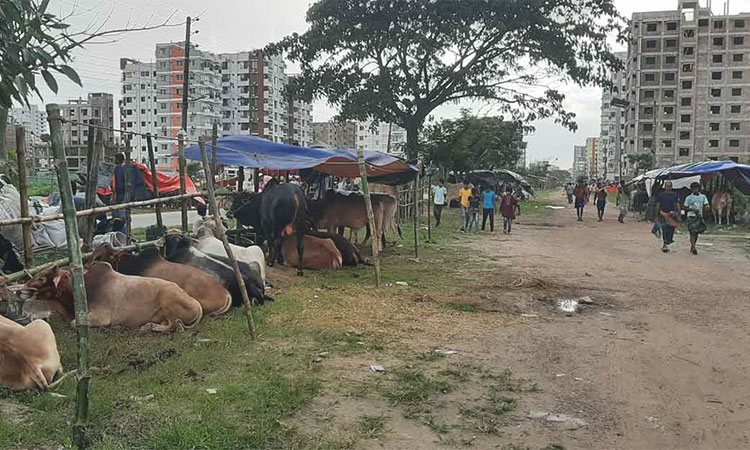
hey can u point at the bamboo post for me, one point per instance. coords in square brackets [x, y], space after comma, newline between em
[416, 215]
[256, 180]
[224, 240]
[95, 145]
[214, 143]
[375, 241]
[128, 187]
[183, 189]
[76, 269]
[154, 179]
[23, 191]
[429, 205]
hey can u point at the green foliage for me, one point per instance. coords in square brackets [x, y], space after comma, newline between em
[538, 169]
[398, 60]
[642, 162]
[471, 142]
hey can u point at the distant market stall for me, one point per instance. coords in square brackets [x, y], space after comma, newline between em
[685, 174]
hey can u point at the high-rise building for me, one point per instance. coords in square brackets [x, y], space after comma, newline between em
[688, 84]
[99, 107]
[580, 162]
[593, 155]
[612, 126]
[242, 93]
[381, 137]
[32, 120]
[335, 134]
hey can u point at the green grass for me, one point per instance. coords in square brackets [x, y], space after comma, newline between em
[411, 386]
[372, 427]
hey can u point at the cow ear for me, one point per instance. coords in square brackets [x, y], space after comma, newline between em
[56, 279]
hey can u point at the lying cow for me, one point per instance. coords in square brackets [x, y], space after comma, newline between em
[319, 253]
[350, 255]
[117, 300]
[28, 355]
[211, 245]
[213, 297]
[181, 249]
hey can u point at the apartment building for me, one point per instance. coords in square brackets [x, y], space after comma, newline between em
[580, 162]
[97, 106]
[593, 155]
[33, 120]
[612, 126]
[299, 115]
[688, 84]
[139, 107]
[381, 137]
[335, 134]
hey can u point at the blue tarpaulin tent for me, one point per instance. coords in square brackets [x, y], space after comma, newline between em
[735, 173]
[259, 153]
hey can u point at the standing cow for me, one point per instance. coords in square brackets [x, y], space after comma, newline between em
[280, 210]
[721, 204]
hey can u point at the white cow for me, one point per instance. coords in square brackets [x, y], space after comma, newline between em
[28, 355]
[208, 243]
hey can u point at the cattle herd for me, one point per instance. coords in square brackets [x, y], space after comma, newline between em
[188, 277]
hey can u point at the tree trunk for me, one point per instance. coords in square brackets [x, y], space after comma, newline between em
[3, 129]
[412, 140]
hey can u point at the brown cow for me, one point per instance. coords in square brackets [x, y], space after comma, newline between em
[117, 300]
[319, 253]
[721, 204]
[213, 297]
[28, 355]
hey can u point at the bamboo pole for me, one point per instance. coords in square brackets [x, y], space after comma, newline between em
[429, 205]
[23, 191]
[224, 240]
[76, 269]
[154, 179]
[416, 216]
[95, 145]
[128, 187]
[214, 139]
[183, 189]
[375, 241]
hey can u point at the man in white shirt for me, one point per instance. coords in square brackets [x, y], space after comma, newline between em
[695, 204]
[438, 198]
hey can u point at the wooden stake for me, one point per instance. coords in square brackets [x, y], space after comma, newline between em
[183, 189]
[375, 241]
[154, 179]
[76, 269]
[128, 187]
[416, 215]
[214, 139]
[223, 237]
[95, 145]
[23, 191]
[429, 205]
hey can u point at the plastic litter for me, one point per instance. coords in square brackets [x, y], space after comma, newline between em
[554, 207]
[211, 391]
[446, 351]
[376, 368]
[529, 315]
[606, 314]
[567, 305]
[401, 283]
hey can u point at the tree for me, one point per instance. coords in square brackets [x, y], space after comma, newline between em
[642, 162]
[539, 169]
[470, 143]
[397, 60]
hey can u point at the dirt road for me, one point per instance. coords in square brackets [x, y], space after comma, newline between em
[660, 362]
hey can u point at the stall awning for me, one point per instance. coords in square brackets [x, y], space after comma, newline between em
[255, 152]
[735, 173]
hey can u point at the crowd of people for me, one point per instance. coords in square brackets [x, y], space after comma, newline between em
[472, 199]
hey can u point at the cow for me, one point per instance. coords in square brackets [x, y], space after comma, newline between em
[721, 204]
[336, 210]
[320, 254]
[280, 210]
[213, 297]
[28, 355]
[117, 300]
[209, 244]
[181, 249]
[350, 255]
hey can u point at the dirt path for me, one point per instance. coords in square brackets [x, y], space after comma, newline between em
[661, 362]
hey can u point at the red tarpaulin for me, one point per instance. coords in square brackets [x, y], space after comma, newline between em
[167, 185]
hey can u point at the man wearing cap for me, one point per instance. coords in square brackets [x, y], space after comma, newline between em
[669, 214]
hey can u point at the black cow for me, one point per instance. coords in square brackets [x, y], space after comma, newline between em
[280, 210]
[179, 249]
[11, 263]
[350, 256]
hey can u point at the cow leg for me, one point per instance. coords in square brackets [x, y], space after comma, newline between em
[300, 252]
[166, 326]
[368, 233]
[340, 230]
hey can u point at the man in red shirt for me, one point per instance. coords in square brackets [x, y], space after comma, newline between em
[581, 194]
[508, 209]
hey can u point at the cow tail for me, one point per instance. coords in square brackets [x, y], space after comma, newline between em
[398, 228]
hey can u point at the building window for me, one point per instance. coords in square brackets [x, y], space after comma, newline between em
[718, 24]
[687, 51]
[734, 126]
[647, 143]
[670, 59]
[718, 58]
[734, 143]
[715, 109]
[687, 68]
[736, 92]
[702, 22]
[687, 84]
[649, 77]
[669, 76]
[713, 126]
[648, 127]
[737, 75]
[739, 23]
[669, 94]
[686, 101]
[715, 93]
[718, 41]
[669, 43]
[671, 26]
[648, 94]
[685, 118]
[667, 127]
[738, 40]
[716, 75]
[737, 57]
[684, 151]
[667, 143]
[651, 43]
[736, 109]
[668, 110]
[713, 143]
[650, 60]
[648, 110]
[684, 135]
[651, 27]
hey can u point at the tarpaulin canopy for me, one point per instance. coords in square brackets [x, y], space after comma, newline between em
[735, 173]
[143, 187]
[259, 153]
[496, 177]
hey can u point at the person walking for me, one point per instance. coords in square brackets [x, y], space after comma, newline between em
[622, 201]
[696, 205]
[569, 192]
[489, 198]
[581, 194]
[439, 201]
[474, 202]
[601, 201]
[669, 214]
[508, 204]
[465, 195]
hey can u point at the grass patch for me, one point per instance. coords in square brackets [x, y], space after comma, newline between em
[486, 418]
[463, 307]
[411, 386]
[372, 427]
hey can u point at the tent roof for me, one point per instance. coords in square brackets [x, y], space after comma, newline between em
[737, 174]
[256, 152]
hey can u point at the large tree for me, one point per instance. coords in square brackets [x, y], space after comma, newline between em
[397, 60]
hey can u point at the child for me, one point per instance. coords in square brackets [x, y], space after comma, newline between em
[474, 202]
[508, 204]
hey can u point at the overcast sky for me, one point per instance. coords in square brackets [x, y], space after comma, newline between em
[234, 25]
